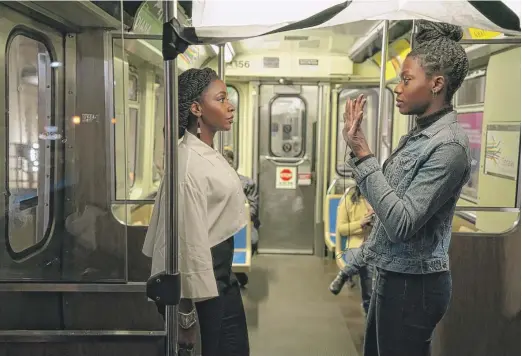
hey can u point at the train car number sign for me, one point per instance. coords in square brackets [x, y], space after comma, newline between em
[286, 177]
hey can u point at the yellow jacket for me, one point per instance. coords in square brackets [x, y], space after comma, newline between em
[349, 217]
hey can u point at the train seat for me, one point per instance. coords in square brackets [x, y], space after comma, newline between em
[340, 255]
[330, 220]
[242, 249]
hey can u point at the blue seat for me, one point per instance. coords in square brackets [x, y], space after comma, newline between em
[239, 258]
[330, 220]
[240, 239]
[242, 248]
[341, 242]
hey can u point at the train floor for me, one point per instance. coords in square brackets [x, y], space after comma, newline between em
[291, 312]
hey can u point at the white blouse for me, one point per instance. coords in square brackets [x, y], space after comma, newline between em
[211, 208]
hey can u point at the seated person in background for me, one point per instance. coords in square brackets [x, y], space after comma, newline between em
[250, 190]
[354, 220]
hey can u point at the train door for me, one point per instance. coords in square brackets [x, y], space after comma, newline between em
[31, 145]
[286, 184]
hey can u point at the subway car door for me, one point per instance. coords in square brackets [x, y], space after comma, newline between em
[286, 185]
[32, 147]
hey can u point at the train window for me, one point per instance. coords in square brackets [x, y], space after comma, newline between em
[369, 125]
[287, 123]
[473, 90]
[470, 108]
[29, 114]
[230, 138]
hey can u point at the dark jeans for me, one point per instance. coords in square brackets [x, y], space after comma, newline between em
[366, 282]
[404, 310]
[222, 320]
[357, 266]
[222, 324]
[230, 336]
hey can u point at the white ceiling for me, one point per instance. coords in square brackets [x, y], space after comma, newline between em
[336, 39]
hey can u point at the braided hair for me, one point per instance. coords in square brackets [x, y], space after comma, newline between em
[437, 50]
[191, 85]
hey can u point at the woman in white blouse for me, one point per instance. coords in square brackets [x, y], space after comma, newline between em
[211, 211]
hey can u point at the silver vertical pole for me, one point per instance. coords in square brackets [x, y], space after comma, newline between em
[320, 143]
[170, 9]
[255, 115]
[382, 87]
[221, 74]
[411, 118]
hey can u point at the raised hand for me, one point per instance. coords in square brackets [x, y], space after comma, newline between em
[352, 133]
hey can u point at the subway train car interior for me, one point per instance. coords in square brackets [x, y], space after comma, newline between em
[79, 182]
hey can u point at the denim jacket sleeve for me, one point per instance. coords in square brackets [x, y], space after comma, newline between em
[437, 180]
[251, 193]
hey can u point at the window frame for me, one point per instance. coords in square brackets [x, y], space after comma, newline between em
[236, 127]
[477, 73]
[40, 37]
[303, 124]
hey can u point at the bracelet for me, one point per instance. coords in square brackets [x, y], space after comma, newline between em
[186, 321]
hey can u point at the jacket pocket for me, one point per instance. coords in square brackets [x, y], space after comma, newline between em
[408, 161]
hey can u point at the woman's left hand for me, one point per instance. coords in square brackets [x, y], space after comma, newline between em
[352, 132]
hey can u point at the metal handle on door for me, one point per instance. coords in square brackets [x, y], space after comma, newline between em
[287, 161]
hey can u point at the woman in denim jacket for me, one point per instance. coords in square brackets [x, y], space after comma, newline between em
[414, 196]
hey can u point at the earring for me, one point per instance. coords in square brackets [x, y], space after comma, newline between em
[433, 92]
[198, 130]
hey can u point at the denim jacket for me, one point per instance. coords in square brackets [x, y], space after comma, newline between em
[250, 190]
[414, 198]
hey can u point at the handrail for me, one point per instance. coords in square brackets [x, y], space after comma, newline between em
[133, 202]
[332, 185]
[349, 189]
[7, 336]
[513, 228]
[488, 208]
[287, 160]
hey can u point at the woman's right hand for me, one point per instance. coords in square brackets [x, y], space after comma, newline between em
[367, 221]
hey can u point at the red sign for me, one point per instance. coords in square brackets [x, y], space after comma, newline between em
[286, 175]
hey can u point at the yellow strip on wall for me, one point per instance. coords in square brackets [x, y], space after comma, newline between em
[478, 34]
[397, 53]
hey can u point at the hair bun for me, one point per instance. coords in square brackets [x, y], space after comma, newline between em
[429, 31]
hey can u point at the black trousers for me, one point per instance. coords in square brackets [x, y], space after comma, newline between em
[404, 311]
[222, 320]
[222, 324]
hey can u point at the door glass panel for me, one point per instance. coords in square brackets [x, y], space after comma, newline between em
[287, 126]
[29, 150]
